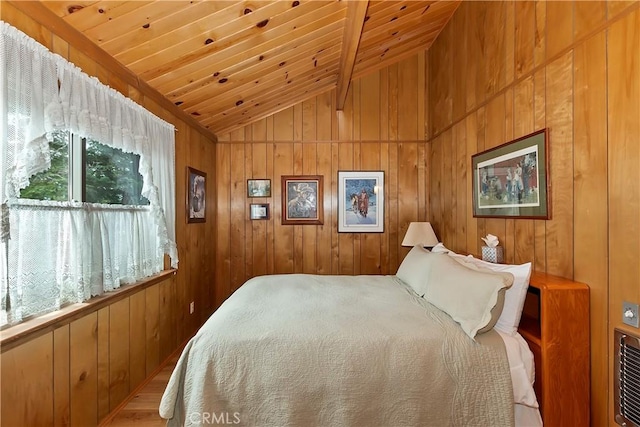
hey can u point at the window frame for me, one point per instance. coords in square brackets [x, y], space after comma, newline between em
[77, 170]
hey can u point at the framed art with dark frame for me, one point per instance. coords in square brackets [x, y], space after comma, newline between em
[196, 195]
[258, 188]
[512, 180]
[302, 197]
[360, 201]
[259, 211]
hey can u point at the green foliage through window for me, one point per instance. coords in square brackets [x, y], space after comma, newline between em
[52, 184]
[110, 175]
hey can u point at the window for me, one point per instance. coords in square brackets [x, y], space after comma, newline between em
[78, 229]
[78, 217]
[85, 170]
[111, 176]
[52, 184]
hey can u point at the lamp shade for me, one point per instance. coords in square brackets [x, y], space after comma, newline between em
[420, 233]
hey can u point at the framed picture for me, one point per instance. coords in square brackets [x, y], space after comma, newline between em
[512, 180]
[259, 211]
[196, 195]
[258, 188]
[360, 202]
[302, 197]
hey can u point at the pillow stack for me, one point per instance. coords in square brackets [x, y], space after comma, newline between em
[514, 297]
[473, 297]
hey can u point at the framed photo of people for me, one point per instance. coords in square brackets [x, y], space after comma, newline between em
[512, 180]
[360, 201]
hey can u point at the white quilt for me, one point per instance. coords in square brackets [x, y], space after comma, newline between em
[307, 350]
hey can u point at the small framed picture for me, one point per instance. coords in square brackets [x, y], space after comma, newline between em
[360, 201]
[259, 211]
[196, 195]
[302, 197]
[258, 188]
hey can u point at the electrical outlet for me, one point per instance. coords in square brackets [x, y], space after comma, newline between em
[630, 314]
[192, 307]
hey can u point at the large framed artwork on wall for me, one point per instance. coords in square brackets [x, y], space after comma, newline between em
[302, 197]
[360, 201]
[512, 180]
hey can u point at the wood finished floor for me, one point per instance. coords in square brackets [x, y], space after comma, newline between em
[142, 409]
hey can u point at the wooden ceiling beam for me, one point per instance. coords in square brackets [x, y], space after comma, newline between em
[356, 12]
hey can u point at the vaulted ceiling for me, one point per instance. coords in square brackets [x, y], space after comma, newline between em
[229, 63]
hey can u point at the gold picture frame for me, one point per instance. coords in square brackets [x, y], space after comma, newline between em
[302, 200]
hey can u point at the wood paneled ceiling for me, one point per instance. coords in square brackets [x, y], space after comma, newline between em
[229, 63]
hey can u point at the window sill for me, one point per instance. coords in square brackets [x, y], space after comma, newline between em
[16, 335]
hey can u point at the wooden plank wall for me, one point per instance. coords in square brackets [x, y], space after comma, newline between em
[381, 128]
[501, 70]
[77, 373]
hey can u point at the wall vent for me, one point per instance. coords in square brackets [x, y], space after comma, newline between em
[627, 379]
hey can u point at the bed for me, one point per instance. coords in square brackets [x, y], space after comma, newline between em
[305, 350]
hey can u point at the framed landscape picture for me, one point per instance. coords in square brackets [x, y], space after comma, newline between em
[512, 180]
[196, 195]
[258, 188]
[302, 197]
[360, 201]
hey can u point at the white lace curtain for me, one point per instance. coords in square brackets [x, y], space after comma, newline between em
[59, 252]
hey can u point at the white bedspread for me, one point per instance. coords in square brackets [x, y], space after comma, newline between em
[306, 350]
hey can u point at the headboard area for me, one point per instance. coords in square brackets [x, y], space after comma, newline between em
[555, 323]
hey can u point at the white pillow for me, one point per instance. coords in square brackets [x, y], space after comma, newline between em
[413, 269]
[515, 295]
[468, 296]
[473, 297]
[496, 311]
